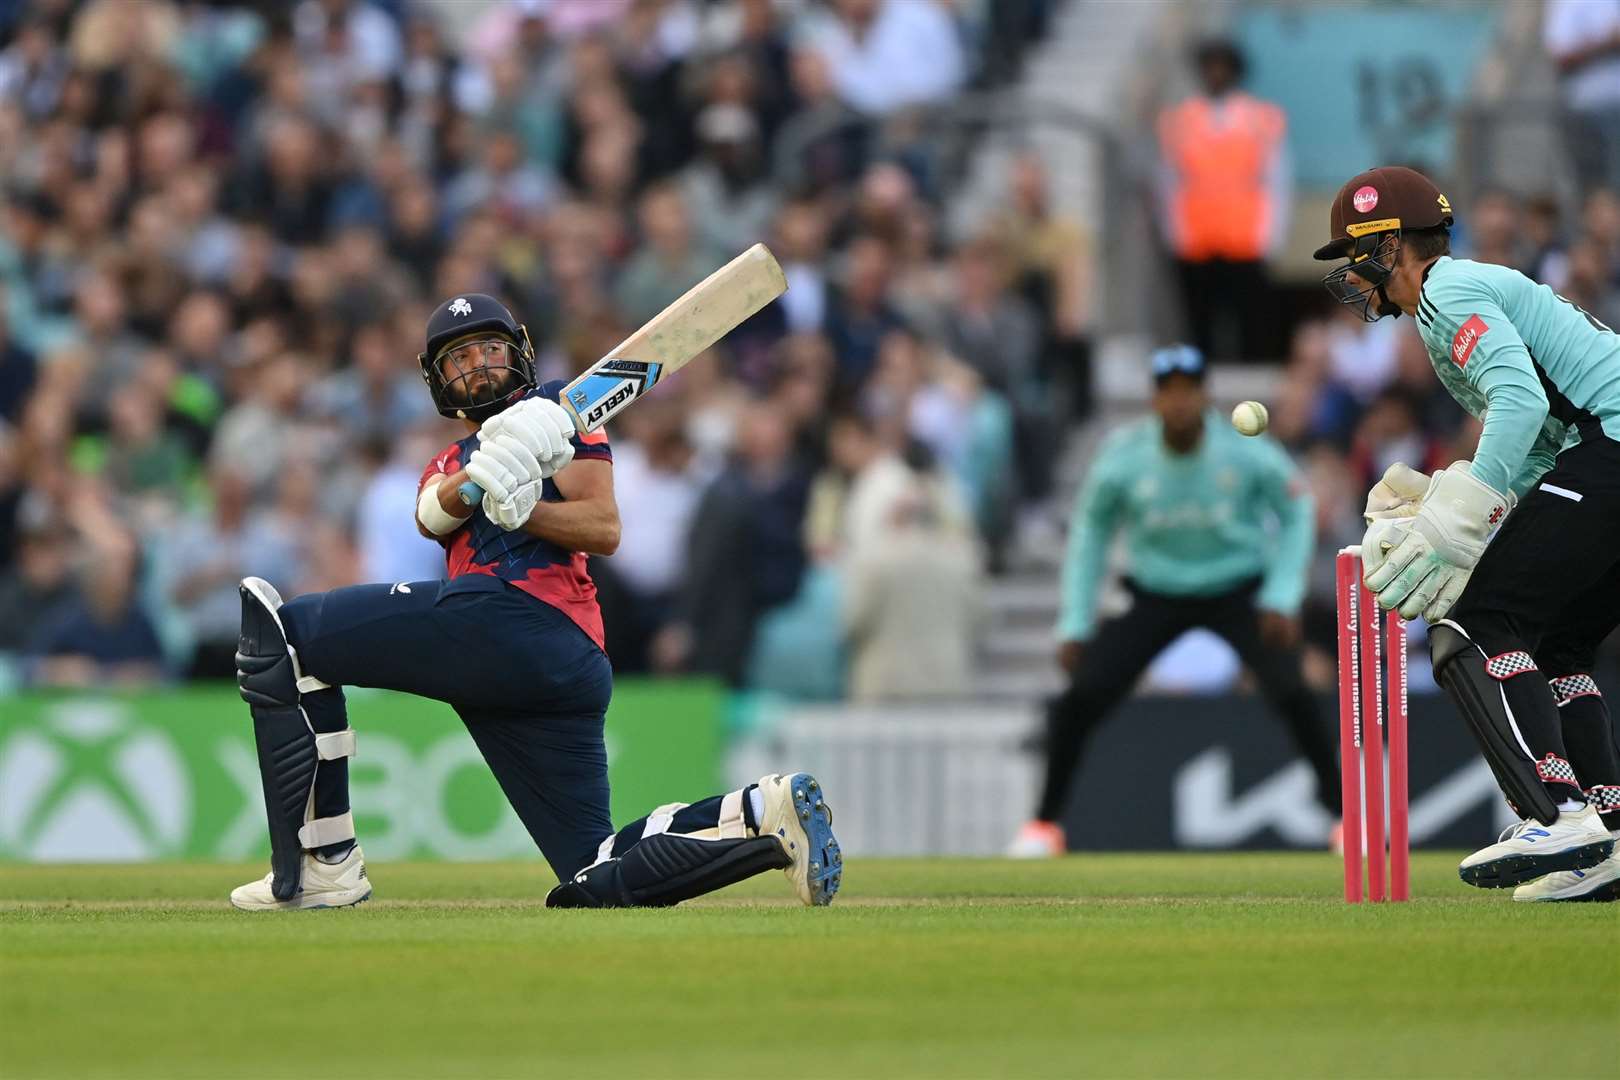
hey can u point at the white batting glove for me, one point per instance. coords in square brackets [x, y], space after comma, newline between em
[546, 466]
[501, 468]
[540, 426]
[1398, 495]
[1427, 570]
[513, 511]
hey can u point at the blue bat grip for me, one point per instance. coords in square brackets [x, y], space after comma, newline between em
[470, 493]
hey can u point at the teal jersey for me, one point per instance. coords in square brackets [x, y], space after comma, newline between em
[1194, 524]
[1541, 372]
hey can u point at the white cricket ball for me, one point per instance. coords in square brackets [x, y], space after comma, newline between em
[1250, 417]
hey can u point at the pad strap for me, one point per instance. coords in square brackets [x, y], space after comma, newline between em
[332, 745]
[733, 825]
[661, 819]
[1506, 665]
[307, 684]
[1606, 797]
[1555, 770]
[327, 830]
[1567, 688]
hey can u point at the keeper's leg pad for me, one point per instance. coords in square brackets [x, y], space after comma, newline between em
[290, 751]
[665, 869]
[1462, 669]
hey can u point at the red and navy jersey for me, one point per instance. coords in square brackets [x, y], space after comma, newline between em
[538, 567]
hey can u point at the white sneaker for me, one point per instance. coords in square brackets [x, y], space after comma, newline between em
[799, 818]
[1576, 841]
[323, 885]
[1600, 883]
[1038, 840]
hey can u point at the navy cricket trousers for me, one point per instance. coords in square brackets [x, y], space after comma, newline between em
[531, 687]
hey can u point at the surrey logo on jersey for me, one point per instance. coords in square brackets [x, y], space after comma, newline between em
[1468, 335]
[460, 306]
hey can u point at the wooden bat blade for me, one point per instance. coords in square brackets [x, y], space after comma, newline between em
[702, 316]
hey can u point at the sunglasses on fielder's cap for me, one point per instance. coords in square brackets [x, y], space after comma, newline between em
[1177, 360]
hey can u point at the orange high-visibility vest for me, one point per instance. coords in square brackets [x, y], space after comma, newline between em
[1220, 156]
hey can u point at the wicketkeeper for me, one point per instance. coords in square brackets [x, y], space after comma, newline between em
[1515, 617]
[1218, 531]
[513, 642]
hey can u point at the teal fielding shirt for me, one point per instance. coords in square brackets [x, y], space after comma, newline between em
[1195, 524]
[1541, 372]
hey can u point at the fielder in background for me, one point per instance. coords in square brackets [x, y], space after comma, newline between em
[513, 641]
[1515, 617]
[1197, 503]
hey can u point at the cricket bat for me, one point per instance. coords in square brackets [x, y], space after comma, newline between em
[707, 312]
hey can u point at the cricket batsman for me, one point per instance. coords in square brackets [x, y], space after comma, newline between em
[1514, 557]
[513, 642]
[1197, 503]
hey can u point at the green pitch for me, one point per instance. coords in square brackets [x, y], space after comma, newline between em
[1176, 965]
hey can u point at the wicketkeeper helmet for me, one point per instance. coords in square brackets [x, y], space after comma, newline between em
[1369, 213]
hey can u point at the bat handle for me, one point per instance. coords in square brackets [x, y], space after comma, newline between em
[470, 494]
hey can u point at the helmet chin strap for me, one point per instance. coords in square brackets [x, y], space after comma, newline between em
[1386, 306]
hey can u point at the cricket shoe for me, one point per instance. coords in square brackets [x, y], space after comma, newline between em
[800, 819]
[323, 885]
[1038, 840]
[1529, 850]
[1597, 884]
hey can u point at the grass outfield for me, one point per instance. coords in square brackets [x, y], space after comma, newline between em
[1105, 965]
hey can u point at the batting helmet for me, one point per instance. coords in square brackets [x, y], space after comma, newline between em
[457, 320]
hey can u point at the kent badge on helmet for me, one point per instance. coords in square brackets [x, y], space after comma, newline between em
[1369, 214]
[466, 387]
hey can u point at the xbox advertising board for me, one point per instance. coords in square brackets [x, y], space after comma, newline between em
[172, 774]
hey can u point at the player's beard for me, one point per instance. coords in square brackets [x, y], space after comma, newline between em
[483, 385]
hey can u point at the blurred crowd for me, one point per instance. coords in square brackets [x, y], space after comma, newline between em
[225, 226]
[1582, 40]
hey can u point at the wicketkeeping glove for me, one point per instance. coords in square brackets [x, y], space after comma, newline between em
[1398, 495]
[1426, 570]
[1382, 537]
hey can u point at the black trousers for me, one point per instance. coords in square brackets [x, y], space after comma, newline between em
[1228, 308]
[1123, 647]
[531, 687]
[1549, 585]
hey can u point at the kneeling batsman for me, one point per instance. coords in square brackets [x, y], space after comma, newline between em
[678, 852]
[529, 678]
